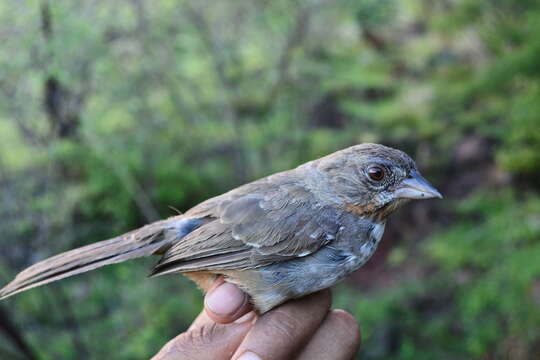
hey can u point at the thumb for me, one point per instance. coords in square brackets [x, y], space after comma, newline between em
[207, 340]
[225, 302]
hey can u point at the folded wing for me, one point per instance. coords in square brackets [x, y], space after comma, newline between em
[273, 220]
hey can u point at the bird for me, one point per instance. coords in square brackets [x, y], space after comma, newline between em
[277, 238]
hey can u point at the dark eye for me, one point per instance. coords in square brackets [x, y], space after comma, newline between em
[375, 173]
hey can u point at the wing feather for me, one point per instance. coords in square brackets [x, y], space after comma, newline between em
[272, 220]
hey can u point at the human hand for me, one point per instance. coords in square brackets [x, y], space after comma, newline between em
[300, 329]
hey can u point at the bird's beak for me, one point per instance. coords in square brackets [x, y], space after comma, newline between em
[416, 187]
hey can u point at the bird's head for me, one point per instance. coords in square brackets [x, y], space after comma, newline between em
[374, 180]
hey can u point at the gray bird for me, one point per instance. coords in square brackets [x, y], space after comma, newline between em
[280, 237]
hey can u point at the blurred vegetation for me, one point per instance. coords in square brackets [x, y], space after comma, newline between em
[112, 111]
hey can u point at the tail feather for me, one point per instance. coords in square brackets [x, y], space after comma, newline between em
[143, 242]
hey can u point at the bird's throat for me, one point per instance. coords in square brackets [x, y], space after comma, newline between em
[374, 213]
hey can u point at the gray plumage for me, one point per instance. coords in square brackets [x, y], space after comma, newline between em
[279, 237]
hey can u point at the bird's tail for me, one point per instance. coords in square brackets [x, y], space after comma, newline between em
[148, 240]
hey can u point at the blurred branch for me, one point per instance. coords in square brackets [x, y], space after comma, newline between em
[294, 39]
[46, 20]
[212, 44]
[373, 39]
[10, 331]
[228, 92]
[140, 12]
[28, 131]
[62, 104]
[137, 192]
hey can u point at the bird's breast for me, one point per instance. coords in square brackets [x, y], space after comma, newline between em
[351, 249]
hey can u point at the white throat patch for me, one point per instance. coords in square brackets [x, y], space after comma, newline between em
[377, 232]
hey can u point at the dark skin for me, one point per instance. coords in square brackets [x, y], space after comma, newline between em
[300, 329]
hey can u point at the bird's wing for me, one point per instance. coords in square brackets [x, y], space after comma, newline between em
[272, 220]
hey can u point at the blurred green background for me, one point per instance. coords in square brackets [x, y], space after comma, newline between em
[112, 111]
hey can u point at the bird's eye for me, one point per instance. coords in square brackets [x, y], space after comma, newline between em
[375, 173]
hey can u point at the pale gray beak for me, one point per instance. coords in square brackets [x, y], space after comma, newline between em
[416, 187]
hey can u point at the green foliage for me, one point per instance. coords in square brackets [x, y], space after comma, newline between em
[493, 262]
[122, 109]
[481, 296]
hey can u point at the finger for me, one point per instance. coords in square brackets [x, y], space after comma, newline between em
[282, 332]
[200, 320]
[338, 338]
[207, 341]
[225, 302]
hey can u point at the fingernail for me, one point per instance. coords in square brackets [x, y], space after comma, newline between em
[248, 355]
[225, 299]
[247, 317]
